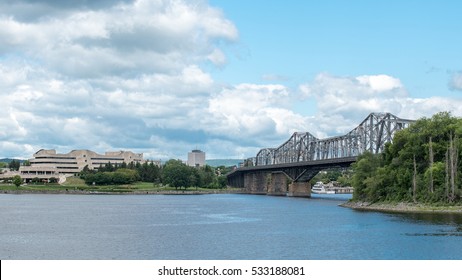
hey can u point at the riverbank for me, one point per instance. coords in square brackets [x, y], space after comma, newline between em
[402, 207]
[133, 192]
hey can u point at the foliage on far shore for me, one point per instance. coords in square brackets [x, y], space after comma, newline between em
[420, 166]
[174, 173]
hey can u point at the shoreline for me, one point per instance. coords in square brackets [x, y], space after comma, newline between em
[77, 192]
[401, 207]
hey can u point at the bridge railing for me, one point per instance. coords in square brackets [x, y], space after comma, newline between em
[370, 135]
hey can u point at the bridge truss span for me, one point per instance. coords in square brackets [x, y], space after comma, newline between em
[370, 135]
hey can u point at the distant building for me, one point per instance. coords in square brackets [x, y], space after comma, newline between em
[196, 158]
[47, 163]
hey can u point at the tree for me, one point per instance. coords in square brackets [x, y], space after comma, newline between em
[109, 167]
[414, 182]
[420, 165]
[453, 164]
[177, 174]
[431, 160]
[53, 180]
[364, 169]
[14, 165]
[118, 177]
[149, 172]
[17, 181]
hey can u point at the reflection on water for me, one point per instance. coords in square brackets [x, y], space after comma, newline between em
[436, 234]
[452, 222]
[333, 197]
[433, 218]
[217, 227]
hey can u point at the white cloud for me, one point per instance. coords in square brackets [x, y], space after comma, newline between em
[380, 83]
[217, 57]
[258, 112]
[342, 102]
[456, 81]
[354, 96]
[82, 76]
[153, 36]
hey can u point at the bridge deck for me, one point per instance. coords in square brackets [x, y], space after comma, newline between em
[323, 162]
[298, 171]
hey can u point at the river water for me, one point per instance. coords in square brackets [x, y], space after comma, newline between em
[223, 226]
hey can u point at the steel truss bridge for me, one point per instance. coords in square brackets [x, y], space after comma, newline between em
[303, 155]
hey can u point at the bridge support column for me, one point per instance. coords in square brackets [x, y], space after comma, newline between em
[299, 189]
[278, 184]
[256, 182]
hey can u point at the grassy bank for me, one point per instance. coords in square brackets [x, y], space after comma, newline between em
[76, 186]
[403, 207]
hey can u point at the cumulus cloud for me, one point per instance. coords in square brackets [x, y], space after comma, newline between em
[342, 102]
[259, 112]
[107, 74]
[379, 83]
[354, 96]
[152, 36]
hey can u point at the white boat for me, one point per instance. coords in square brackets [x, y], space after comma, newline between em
[319, 188]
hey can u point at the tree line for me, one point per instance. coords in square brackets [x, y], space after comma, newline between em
[173, 173]
[421, 165]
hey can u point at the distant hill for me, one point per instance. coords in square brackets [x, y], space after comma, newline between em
[223, 162]
[8, 160]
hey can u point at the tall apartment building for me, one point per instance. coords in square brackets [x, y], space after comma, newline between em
[196, 158]
[48, 163]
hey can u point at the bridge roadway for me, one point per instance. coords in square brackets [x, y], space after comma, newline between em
[290, 179]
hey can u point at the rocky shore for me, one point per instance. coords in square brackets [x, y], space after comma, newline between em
[401, 207]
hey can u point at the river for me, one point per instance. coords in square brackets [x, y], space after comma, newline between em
[222, 226]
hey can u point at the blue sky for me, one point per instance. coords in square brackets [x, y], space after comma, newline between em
[228, 77]
[416, 41]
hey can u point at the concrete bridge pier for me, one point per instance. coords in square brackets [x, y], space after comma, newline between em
[277, 184]
[299, 189]
[256, 182]
[274, 183]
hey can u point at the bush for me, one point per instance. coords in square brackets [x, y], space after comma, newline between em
[17, 181]
[118, 177]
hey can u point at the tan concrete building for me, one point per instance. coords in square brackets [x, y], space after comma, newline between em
[47, 163]
[196, 158]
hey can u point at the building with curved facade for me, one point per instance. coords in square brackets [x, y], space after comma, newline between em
[46, 164]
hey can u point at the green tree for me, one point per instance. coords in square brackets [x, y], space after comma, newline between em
[148, 171]
[421, 165]
[14, 165]
[364, 170]
[177, 174]
[53, 180]
[17, 181]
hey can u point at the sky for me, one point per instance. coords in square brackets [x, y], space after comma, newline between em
[165, 77]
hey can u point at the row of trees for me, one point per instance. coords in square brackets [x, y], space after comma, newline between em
[122, 173]
[421, 165]
[14, 165]
[342, 176]
[174, 173]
